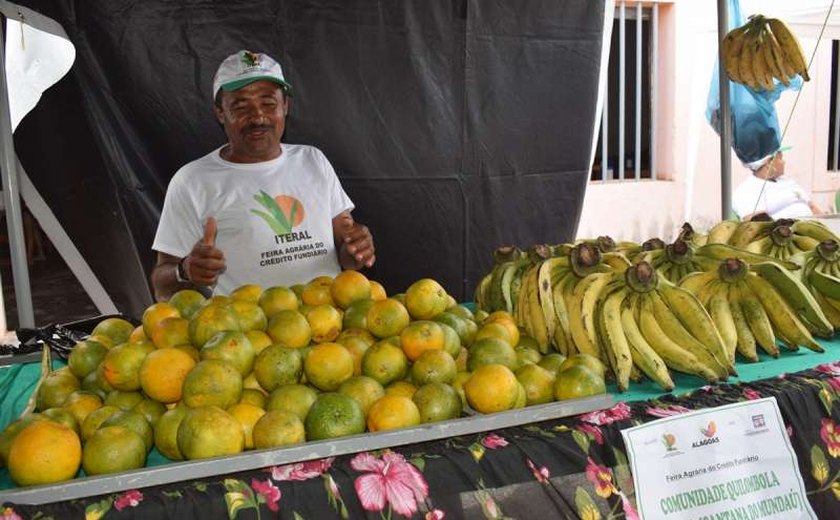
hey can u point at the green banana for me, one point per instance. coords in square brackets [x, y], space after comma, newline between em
[750, 231]
[721, 314]
[825, 283]
[758, 320]
[785, 320]
[795, 294]
[745, 339]
[724, 251]
[814, 229]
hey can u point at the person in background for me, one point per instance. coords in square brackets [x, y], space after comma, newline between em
[767, 191]
[254, 211]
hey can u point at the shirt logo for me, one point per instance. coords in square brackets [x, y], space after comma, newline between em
[282, 213]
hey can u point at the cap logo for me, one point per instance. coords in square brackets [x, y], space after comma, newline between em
[250, 59]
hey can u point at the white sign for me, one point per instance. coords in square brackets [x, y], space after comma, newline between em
[730, 462]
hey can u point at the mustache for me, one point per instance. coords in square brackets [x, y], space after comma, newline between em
[250, 128]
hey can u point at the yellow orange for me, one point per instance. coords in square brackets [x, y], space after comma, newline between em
[276, 299]
[387, 317]
[392, 411]
[420, 336]
[327, 366]
[325, 322]
[44, 452]
[425, 299]
[290, 328]
[163, 372]
[492, 388]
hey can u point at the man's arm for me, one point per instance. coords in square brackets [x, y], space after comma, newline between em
[165, 278]
[201, 267]
[353, 242]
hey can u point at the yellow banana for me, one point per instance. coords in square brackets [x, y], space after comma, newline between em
[615, 342]
[758, 320]
[644, 356]
[539, 327]
[831, 312]
[750, 231]
[814, 229]
[786, 323]
[581, 309]
[796, 295]
[544, 291]
[694, 282]
[745, 341]
[561, 334]
[697, 321]
[745, 62]
[790, 46]
[805, 243]
[721, 315]
[785, 67]
[722, 231]
[675, 356]
[761, 69]
[674, 329]
[724, 251]
[617, 261]
[732, 45]
[760, 246]
[825, 283]
[773, 57]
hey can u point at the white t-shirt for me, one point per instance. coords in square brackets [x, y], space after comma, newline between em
[274, 218]
[782, 198]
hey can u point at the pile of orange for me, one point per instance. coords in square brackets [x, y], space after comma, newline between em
[265, 368]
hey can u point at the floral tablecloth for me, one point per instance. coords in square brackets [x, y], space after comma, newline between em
[574, 467]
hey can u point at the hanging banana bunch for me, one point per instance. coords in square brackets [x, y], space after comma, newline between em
[646, 323]
[761, 51]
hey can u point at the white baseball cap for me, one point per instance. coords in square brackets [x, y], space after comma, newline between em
[756, 165]
[245, 67]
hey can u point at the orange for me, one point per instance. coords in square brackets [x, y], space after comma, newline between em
[187, 301]
[327, 366]
[357, 348]
[296, 399]
[458, 384]
[118, 329]
[212, 382]
[587, 360]
[466, 329]
[122, 365]
[363, 389]
[387, 317]
[209, 320]
[249, 315]
[85, 357]
[421, 336]
[163, 372]
[480, 315]
[123, 400]
[433, 366]
[44, 452]
[355, 316]
[233, 347]
[348, 287]
[526, 341]
[113, 449]
[392, 411]
[154, 313]
[191, 351]
[505, 319]
[437, 402]
[451, 340]
[425, 299]
[333, 415]
[166, 432]
[325, 322]
[209, 431]
[254, 397]
[248, 415]
[278, 365]
[361, 334]
[492, 388]
[170, 332]
[537, 382]
[150, 409]
[298, 290]
[461, 311]
[134, 421]
[317, 292]
[494, 330]
[247, 293]
[290, 328]
[278, 428]
[55, 389]
[552, 362]
[461, 359]
[62, 416]
[108, 342]
[82, 403]
[276, 299]
[95, 419]
[250, 383]
[377, 292]
[578, 381]
[488, 351]
[220, 300]
[402, 388]
[384, 362]
[259, 339]
[527, 356]
[11, 431]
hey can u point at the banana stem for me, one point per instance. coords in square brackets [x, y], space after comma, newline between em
[828, 250]
[653, 244]
[605, 243]
[538, 253]
[583, 258]
[732, 270]
[641, 278]
[686, 232]
[781, 235]
[506, 254]
[679, 252]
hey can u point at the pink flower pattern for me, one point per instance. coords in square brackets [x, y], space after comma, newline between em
[751, 394]
[389, 480]
[601, 417]
[540, 473]
[667, 411]
[269, 491]
[128, 499]
[594, 431]
[629, 511]
[830, 435]
[435, 514]
[493, 441]
[830, 368]
[600, 477]
[9, 514]
[302, 470]
[834, 383]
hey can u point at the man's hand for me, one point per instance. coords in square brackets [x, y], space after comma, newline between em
[354, 242]
[205, 262]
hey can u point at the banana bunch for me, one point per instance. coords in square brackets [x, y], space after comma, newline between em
[758, 303]
[780, 238]
[821, 275]
[646, 323]
[782, 242]
[676, 260]
[761, 50]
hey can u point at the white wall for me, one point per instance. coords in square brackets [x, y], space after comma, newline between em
[689, 150]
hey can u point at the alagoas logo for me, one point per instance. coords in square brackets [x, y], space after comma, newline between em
[709, 434]
[669, 441]
[282, 213]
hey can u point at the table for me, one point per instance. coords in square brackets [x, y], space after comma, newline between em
[573, 467]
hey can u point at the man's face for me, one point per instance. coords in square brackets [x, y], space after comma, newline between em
[776, 167]
[254, 118]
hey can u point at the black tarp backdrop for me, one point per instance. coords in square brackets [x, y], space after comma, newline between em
[455, 126]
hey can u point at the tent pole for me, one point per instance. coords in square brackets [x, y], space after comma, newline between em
[725, 118]
[11, 201]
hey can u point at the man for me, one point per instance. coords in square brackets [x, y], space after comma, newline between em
[766, 191]
[253, 210]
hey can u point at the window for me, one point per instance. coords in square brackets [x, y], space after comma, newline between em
[627, 131]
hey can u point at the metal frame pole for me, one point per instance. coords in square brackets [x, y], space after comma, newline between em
[11, 200]
[725, 118]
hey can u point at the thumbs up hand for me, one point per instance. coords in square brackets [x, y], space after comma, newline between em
[355, 242]
[205, 262]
